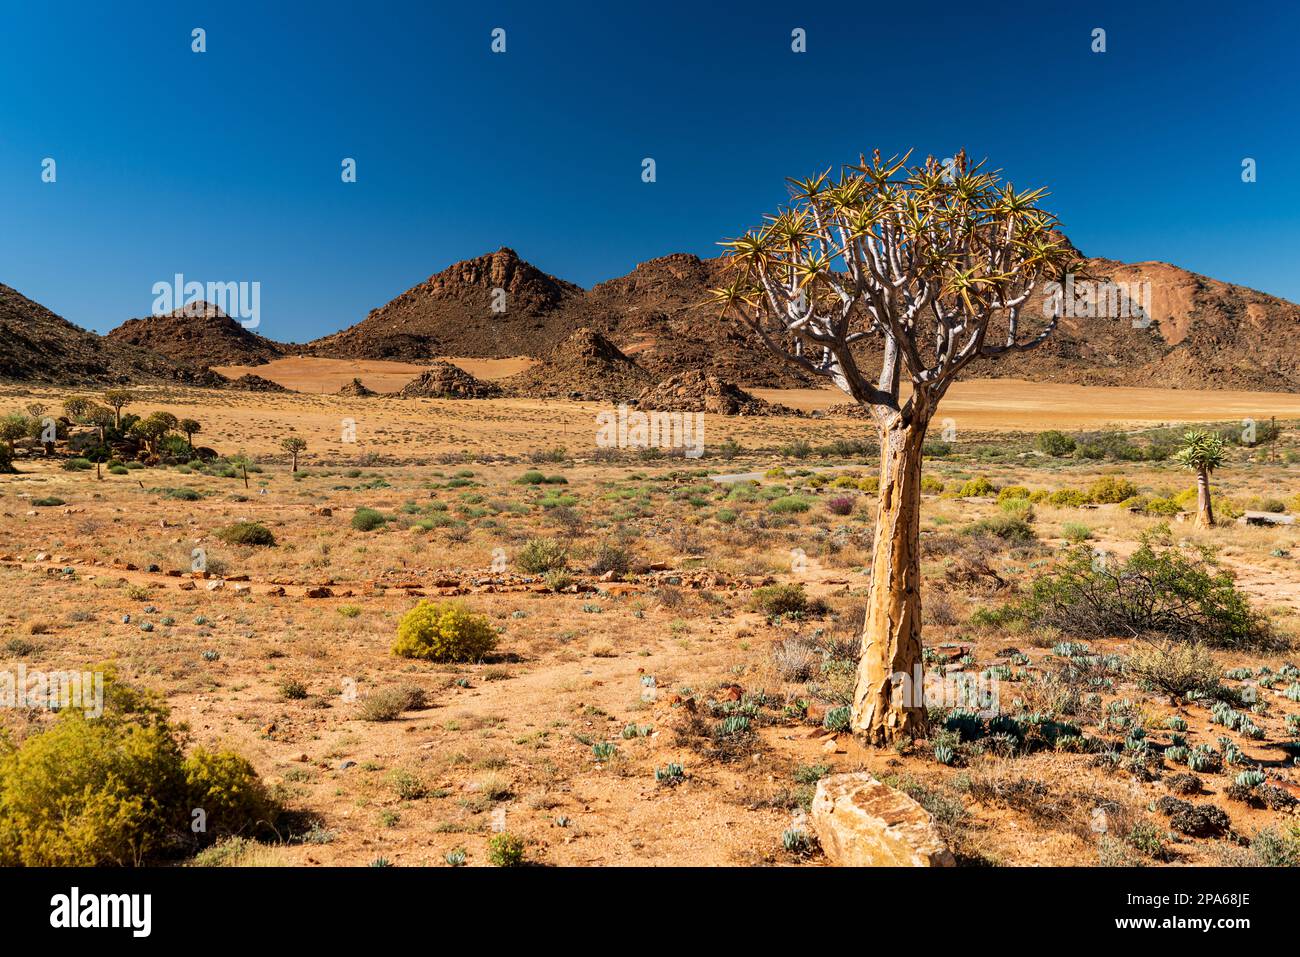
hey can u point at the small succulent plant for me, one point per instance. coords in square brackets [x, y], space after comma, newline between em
[1249, 779]
[797, 841]
[670, 775]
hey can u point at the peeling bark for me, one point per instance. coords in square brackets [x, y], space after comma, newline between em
[887, 708]
[1204, 507]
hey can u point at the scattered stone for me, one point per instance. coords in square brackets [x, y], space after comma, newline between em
[863, 823]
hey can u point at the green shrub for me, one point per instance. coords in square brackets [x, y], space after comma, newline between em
[541, 555]
[367, 519]
[1075, 532]
[930, 484]
[182, 494]
[116, 790]
[246, 533]
[1054, 442]
[780, 599]
[1013, 492]
[1111, 490]
[789, 503]
[77, 465]
[505, 850]
[50, 501]
[1011, 529]
[978, 487]
[1017, 508]
[233, 798]
[1067, 498]
[531, 477]
[443, 631]
[1160, 589]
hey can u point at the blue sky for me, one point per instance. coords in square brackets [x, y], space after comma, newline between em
[225, 165]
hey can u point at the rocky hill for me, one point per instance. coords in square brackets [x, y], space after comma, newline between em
[1202, 334]
[453, 314]
[584, 366]
[656, 314]
[36, 345]
[198, 335]
[442, 380]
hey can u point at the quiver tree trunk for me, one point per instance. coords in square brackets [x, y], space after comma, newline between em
[1204, 507]
[887, 699]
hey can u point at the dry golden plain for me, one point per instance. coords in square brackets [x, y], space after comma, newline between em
[508, 742]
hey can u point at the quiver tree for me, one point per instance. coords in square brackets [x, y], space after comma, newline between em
[153, 429]
[1202, 452]
[920, 271]
[295, 446]
[191, 428]
[102, 418]
[116, 400]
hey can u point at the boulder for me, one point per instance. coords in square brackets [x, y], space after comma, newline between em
[863, 823]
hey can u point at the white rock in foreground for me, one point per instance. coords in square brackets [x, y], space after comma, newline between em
[863, 823]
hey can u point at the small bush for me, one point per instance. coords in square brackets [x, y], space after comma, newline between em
[1075, 532]
[840, 505]
[1013, 492]
[117, 791]
[387, 704]
[443, 631]
[1111, 490]
[505, 850]
[541, 555]
[1067, 498]
[50, 501]
[229, 791]
[611, 557]
[785, 599]
[246, 533]
[367, 519]
[1010, 528]
[1159, 590]
[1175, 668]
[789, 503]
[1054, 442]
[978, 487]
